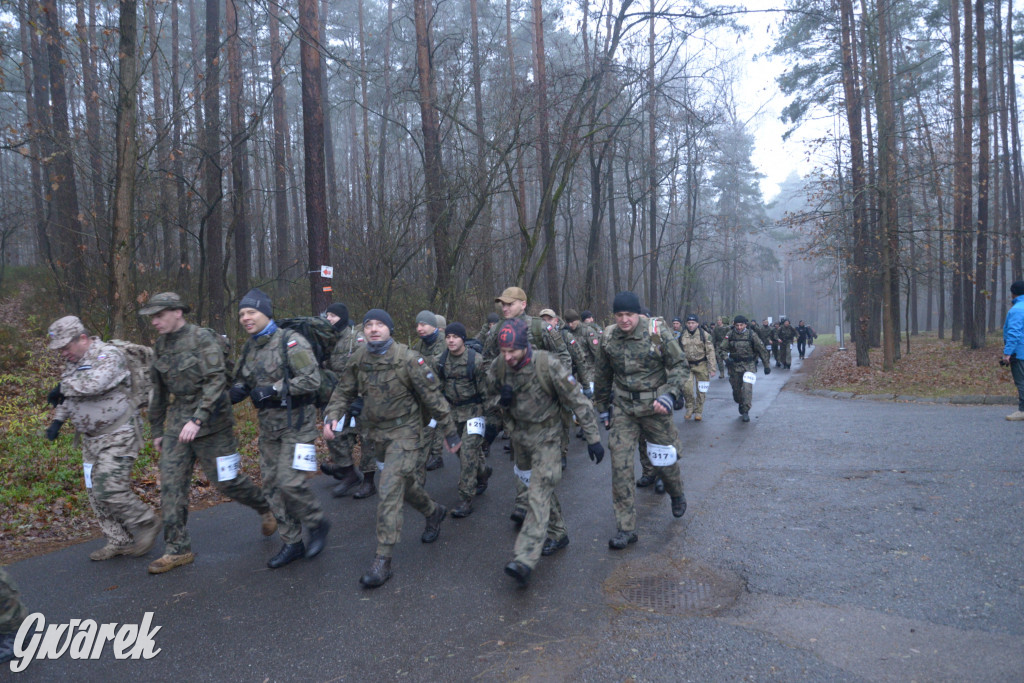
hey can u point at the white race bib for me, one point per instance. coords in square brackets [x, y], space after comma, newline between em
[476, 425]
[228, 466]
[524, 475]
[87, 468]
[352, 423]
[749, 377]
[380, 465]
[703, 387]
[661, 456]
[432, 424]
[305, 457]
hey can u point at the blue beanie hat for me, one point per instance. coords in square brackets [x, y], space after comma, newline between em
[257, 299]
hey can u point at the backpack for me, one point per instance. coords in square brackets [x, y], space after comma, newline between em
[545, 377]
[322, 337]
[138, 358]
[470, 363]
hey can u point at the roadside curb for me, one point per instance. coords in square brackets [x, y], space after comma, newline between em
[976, 399]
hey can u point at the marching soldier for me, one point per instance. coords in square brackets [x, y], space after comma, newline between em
[786, 335]
[699, 348]
[741, 347]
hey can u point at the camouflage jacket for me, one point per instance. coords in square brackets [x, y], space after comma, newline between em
[430, 352]
[786, 334]
[348, 341]
[589, 340]
[719, 334]
[743, 346]
[465, 395]
[398, 388]
[541, 335]
[189, 365]
[542, 389]
[697, 346]
[96, 391]
[581, 365]
[639, 366]
[766, 333]
[263, 365]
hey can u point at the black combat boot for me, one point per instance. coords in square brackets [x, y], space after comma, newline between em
[518, 571]
[659, 486]
[745, 417]
[678, 505]
[551, 546]
[435, 463]
[622, 539]
[289, 552]
[317, 539]
[331, 469]
[366, 489]
[433, 528]
[350, 480]
[378, 574]
[646, 480]
[518, 516]
[463, 509]
[481, 478]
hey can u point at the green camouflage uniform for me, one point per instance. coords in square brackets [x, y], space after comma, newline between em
[765, 332]
[543, 390]
[431, 441]
[465, 395]
[344, 442]
[190, 381]
[398, 390]
[639, 369]
[718, 334]
[12, 612]
[588, 340]
[742, 350]
[97, 399]
[293, 503]
[699, 349]
[786, 335]
[773, 339]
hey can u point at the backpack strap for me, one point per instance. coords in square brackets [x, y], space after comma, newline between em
[441, 363]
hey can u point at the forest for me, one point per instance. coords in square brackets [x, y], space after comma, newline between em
[432, 153]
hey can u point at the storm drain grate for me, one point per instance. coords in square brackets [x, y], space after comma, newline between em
[666, 594]
[694, 590]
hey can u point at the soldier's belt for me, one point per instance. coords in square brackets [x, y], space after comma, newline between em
[399, 421]
[697, 362]
[741, 358]
[468, 401]
[637, 395]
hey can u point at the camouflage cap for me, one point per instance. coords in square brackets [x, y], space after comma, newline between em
[511, 294]
[163, 301]
[64, 331]
[548, 312]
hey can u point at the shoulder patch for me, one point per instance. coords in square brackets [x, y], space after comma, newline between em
[420, 360]
[549, 328]
[572, 380]
[572, 341]
[430, 375]
[101, 356]
[596, 340]
[292, 343]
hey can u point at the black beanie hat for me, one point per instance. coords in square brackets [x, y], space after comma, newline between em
[381, 315]
[492, 317]
[1017, 288]
[340, 310]
[456, 328]
[740, 319]
[586, 314]
[626, 302]
[257, 299]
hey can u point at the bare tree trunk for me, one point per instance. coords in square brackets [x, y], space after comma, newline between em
[365, 99]
[613, 238]
[212, 191]
[283, 250]
[965, 189]
[1014, 150]
[91, 96]
[32, 71]
[184, 270]
[163, 153]
[239, 156]
[546, 215]
[331, 205]
[652, 170]
[981, 226]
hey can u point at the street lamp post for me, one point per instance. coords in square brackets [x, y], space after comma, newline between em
[783, 283]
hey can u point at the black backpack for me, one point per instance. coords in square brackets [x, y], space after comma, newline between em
[470, 361]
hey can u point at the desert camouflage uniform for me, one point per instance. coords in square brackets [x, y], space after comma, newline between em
[398, 390]
[12, 612]
[786, 335]
[293, 503]
[638, 369]
[699, 349]
[190, 381]
[543, 390]
[344, 442]
[97, 399]
[742, 350]
[465, 396]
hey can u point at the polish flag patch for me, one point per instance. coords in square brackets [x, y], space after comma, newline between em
[420, 361]
[292, 343]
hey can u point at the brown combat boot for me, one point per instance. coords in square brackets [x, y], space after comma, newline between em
[379, 573]
[145, 536]
[268, 523]
[110, 550]
[169, 562]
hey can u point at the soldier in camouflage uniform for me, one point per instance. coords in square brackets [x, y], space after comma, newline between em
[588, 320]
[647, 371]
[534, 390]
[95, 392]
[191, 420]
[542, 336]
[12, 613]
[786, 335]
[718, 334]
[399, 390]
[462, 371]
[430, 345]
[741, 348]
[287, 419]
[581, 370]
[766, 332]
[359, 484]
[699, 348]
[773, 339]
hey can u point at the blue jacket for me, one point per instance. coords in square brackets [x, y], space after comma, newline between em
[1013, 329]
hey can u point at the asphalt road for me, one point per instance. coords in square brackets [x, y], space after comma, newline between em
[826, 540]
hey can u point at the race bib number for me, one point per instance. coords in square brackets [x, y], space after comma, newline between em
[432, 424]
[87, 469]
[305, 457]
[228, 466]
[749, 377]
[476, 425]
[524, 475]
[661, 456]
[703, 387]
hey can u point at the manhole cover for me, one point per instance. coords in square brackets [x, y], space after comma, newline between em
[689, 589]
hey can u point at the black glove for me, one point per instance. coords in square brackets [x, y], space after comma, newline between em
[262, 397]
[356, 408]
[453, 441]
[596, 452]
[667, 402]
[238, 393]
[507, 395]
[767, 370]
[490, 434]
[679, 403]
[55, 397]
[53, 429]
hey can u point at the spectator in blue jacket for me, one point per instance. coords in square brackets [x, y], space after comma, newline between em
[1013, 345]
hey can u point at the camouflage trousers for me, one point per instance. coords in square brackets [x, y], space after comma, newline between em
[701, 372]
[742, 392]
[176, 465]
[430, 444]
[537, 451]
[402, 459]
[522, 493]
[117, 508]
[286, 489]
[12, 612]
[472, 461]
[341, 447]
[786, 353]
[626, 431]
[776, 346]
